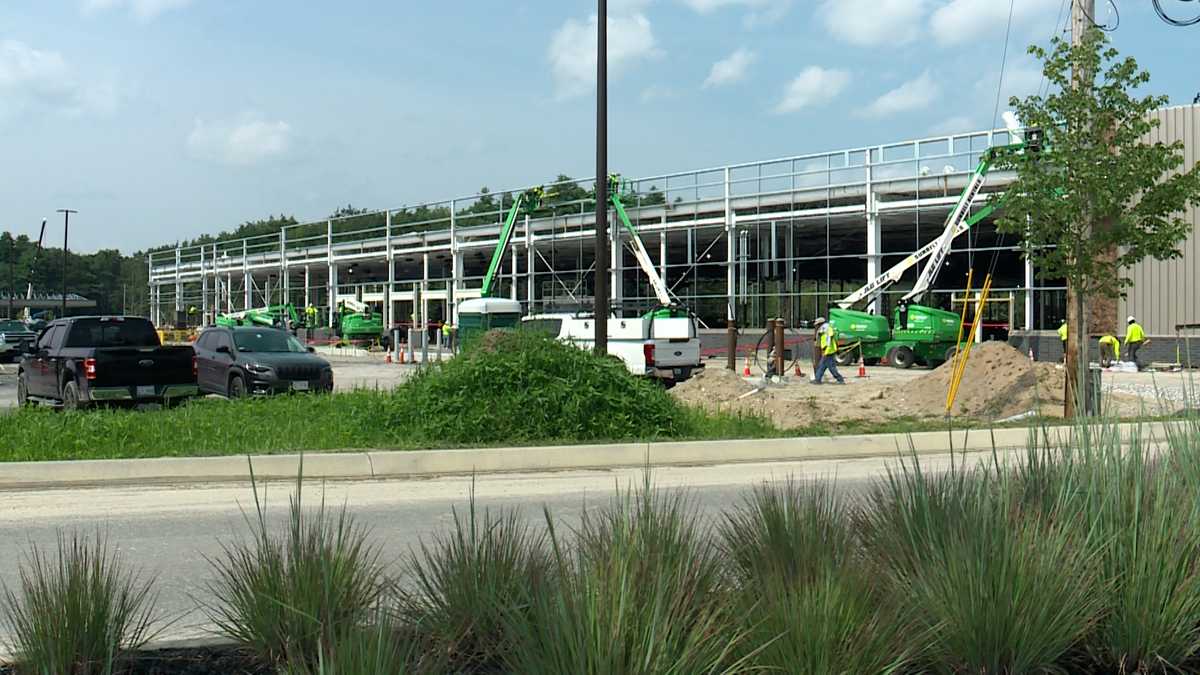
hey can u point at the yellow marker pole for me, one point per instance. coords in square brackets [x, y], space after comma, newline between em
[983, 296]
[958, 341]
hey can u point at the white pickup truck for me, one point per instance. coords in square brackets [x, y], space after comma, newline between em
[667, 349]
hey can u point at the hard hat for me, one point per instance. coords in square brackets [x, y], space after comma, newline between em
[1130, 319]
[1064, 321]
[820, 320]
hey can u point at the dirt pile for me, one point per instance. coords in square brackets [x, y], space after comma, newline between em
[999, 381]
[712, 385]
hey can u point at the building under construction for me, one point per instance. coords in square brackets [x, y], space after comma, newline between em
[780, 237]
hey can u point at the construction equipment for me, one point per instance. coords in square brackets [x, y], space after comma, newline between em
[918, 333]
[33, 266]
[273, 315]
[357, 321]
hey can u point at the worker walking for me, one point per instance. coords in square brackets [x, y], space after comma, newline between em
[1135, 338]
[829, 348]
[1062, 335]
[1110, 350]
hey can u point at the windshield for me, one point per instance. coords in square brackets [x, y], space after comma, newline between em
[112, 332]
[266, 341]
[13, 327]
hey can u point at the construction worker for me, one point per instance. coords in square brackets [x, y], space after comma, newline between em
[446, 334]
[310, 316]
[1135, 337]
[829, 348]
[1110, 350]
[1062, 335]
[816, 343]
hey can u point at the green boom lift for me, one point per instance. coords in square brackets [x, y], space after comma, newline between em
[273, 315]
[919, 333]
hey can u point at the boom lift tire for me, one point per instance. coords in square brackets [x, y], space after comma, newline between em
[903, 357]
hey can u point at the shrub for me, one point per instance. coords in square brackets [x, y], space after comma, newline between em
[989, 589]
[808, 603]
[640, 593]
[284, 596]
[374, 649]
[463, 585]
[79, 614]
[532, 388]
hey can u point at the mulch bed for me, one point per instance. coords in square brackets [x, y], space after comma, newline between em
[191, 661]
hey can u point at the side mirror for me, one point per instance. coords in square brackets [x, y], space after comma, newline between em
[31, 348]
[312, 350]
[223, 349]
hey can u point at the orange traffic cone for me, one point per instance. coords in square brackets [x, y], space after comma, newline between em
[799, 373]
[402, 353]
[388, 358]
[862, 369]
[746, 367]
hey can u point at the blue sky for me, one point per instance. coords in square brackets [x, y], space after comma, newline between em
[163, 119]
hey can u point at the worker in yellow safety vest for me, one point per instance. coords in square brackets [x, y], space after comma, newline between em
[1062, 335]
[829, 347]
[1135, 337]
[310, 315]
[1110, 350]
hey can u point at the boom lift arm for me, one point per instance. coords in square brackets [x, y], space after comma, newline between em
[960, 220]
[527, 202]
[639, 249]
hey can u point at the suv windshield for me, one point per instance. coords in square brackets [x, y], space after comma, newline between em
[13, 327]
[265, 340]
[112, 332]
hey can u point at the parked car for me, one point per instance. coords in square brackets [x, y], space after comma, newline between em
[235, 361]
[15, 338]
[83, 360]
[664, 349]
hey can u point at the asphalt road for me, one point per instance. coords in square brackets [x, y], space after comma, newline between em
[169, 531]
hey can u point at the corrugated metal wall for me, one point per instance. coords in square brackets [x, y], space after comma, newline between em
[1168, 293]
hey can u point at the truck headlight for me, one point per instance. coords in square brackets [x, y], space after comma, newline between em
[258, 369]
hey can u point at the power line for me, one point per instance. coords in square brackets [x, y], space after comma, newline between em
[1003, 63]
[1162, 14]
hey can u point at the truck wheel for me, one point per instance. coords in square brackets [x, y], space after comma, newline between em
[903, 357]
[237, 387]
[70, 397]
[846, 358]
[951, 353]
[22, 391]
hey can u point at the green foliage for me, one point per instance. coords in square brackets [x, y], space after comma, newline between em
[463, 585]
[533, 388]
[377, 648]
[79, 614]
[1100, 198]
[116, 282]
[988, 589]
[641, 592]
[287, 597]
[809, 603]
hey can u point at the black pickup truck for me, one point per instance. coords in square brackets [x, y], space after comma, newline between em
[89, 359]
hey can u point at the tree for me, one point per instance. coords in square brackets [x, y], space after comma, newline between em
[1099, 198]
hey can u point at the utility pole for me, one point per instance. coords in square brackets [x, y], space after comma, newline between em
[66, 226]
[602, 252]
[1083, 13]
[12, 271]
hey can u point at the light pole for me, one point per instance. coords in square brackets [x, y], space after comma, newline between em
[602, 253]
[66, 228]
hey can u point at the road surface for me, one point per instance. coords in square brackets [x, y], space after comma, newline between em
[168, 531]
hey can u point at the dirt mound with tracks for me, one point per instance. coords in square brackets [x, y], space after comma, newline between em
[999, 382]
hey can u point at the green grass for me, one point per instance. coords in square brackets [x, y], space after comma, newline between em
[79, 612]
[530, 390]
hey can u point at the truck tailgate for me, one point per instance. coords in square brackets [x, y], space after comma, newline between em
[674, 354]
[130, 366]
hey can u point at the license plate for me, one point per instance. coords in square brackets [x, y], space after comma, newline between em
[145, 390]
[300, 385]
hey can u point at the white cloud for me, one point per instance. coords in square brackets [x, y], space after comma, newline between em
[953, 125]
[248, 140]
[915, 94]
[572, 51]
[870, 23]
[813, 86]
[730, 69]
[33, 77]
[144, 10]
[758, 11]
[657, 92]
[960, 21]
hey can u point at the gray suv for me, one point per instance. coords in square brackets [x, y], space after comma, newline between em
[244, 360]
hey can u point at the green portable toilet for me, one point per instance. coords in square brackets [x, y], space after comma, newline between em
[479, 315]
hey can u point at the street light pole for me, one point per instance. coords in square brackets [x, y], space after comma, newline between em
[66, 228]
[602, 252]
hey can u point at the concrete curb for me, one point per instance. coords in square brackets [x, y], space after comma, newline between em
[419, 463]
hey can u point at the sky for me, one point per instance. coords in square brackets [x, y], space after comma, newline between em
[159, 120]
